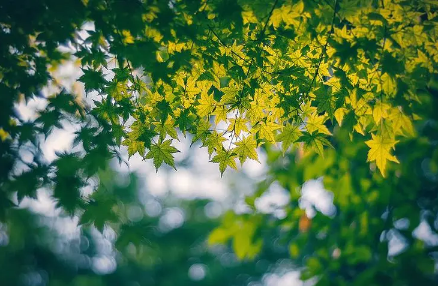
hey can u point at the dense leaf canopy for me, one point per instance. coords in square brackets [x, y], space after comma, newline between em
[343, 90]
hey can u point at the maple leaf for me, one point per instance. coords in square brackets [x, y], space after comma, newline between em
[255, 113]
[133, 233]
[93, 80]
[231, 92]
[220, 113]
[238, 125]
[401, 123]
[27, 183]
[214, 142]
[315, 141]
[127, 37]
[380, 148]
[225, 158]
[118, 90]
[380, 111]
[146, 136]
[166, 128]
[164, 109]
[67, 193]
[315, 122]
[340, 114]
[266, 130]
[185, 120]
[134, 147]
[99, 210]
[202, 131]
[388, 84]
[162, 152]
[289, 135]
[325, 101]
[206, 105]
[246, 148]
[191, 88]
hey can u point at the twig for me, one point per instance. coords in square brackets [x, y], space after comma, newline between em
[262, 34]
[324, 49]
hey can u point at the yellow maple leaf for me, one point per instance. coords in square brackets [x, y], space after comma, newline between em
[379, 152]
[401, 123]
[380, 111]
[3, 134]
[266, 130]
[220, 114]
[255, 113]
[206, 105]
[230, 92]
[249, 17]
[191, 87]
[214, 142]
[315, 122]
[388, 84]
[238, 125]
[246, 149]
[225, 159]
[127, 37]
[339, 115]
[289, 135]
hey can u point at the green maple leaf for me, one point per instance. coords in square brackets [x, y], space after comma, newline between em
[206, 105]
[315, 141]
[68, 183]
[99, 210]
[166, 128]
[121, 74]
[315, 123]
[326, 102]
[202, 131]
[401, 123]
[67, 192]
[27, 132]
[28, 182]
[225, 159]
[164, 109]
[5, 205]
[185, 120]
[93, 80]
[380, 111]
[289, 135]
[162, 152]
[230, 93]
[64, 101]
[85, 136]
[246, 149]
[214, 142]
[143, 133]
[146, 136]
[133, 232]
[49, 119]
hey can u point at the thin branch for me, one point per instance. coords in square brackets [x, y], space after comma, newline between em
[223, 44]
[324, 49]
[262, 33]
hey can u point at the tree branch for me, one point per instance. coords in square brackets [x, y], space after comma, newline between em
[324, 49]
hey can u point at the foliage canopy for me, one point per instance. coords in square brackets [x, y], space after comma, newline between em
[333, 88]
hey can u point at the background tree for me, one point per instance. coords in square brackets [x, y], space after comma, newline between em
[151, 248]
[345, 89]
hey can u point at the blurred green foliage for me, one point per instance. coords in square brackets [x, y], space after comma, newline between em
[348, 88]
[149, 249]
